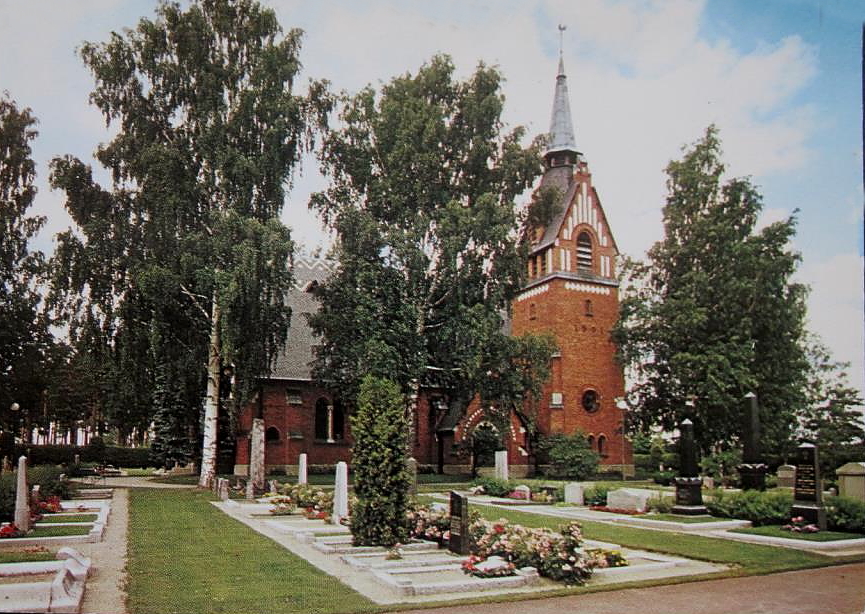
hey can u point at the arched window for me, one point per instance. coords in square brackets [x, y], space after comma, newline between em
[321, 419]
[591, 440]
[589, 310]
[602, 445]
[271, 435]
[533, 311]
[584, 251]
[338, 422]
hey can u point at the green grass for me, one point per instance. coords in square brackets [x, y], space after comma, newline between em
[681, 518]
[39, 531]
[777, 531]
[748, 559]
[18, 556]
[137, 472]
[51, 518]
[185, 556]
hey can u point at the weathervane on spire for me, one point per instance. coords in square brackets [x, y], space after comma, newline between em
[562, 29]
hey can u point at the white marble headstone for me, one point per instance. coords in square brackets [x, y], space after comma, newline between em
[340, 494]
[301, 469]
[574, 493]
[501, 464]
[22, 498]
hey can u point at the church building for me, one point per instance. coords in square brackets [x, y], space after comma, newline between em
[571, 292]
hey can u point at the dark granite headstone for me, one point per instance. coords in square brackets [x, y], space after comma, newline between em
[807, 491]
[689, 496]
[459, 537]
[752, 471]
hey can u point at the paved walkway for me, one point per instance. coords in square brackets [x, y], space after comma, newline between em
[835, 590]
[135, 482]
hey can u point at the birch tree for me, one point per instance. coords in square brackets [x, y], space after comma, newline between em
[209, 133]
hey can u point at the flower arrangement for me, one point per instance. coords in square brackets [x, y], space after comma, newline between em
[432, 524]
[800, 525]
[394, 553]
[50, 506]
[282, 506]
[493, 567]
[518, 494]
[9, 531]
[607, 558]
[542, 497]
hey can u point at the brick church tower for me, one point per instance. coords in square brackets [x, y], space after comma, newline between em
[572, 293]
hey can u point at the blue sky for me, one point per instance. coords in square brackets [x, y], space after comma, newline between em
[781, 78]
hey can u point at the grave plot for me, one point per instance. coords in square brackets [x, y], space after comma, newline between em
[56, 528]
[45, 586]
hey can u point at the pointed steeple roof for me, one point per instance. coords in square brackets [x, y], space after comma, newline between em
[561, 126]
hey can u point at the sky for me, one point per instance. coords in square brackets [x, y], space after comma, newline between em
[782, 80]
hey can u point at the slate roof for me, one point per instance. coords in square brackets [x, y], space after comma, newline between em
[293, 362]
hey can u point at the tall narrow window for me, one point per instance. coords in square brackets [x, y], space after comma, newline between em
[584, 251]
[338, 421]
[321, 430]
[533, 311]
[602, 445]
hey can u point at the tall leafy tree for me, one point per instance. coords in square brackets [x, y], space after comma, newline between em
[24, 337]
[713, 314]
[186, 246]
[423, 181]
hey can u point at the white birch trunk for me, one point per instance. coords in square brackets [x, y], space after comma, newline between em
[211, 404]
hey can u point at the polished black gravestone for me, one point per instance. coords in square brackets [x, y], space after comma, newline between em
[689, 496]
[807, 492]
[752, 471]
[459, 538]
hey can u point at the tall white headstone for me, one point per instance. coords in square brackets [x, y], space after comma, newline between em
[340, 493]
[501, 464]
[256, 454]
[22, 497]
[301, 469]
[574, 493]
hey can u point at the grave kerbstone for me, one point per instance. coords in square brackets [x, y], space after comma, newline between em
[752, 471]
[301, 469]
[459, 532]
[574, 493]
[411, 466]
[689, 495]
[807, 492]
[786, 476]
[340, 493]
[256, 454]
[22, 502]
[851, 480]
[501, 464]
[631, 499]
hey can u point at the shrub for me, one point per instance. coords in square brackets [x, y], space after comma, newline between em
[381, 478]
[664, 478]
[119, 456]
[662, 505]
[597, 495]
[645, 463]
[570, 456]
[50, 485]
[758, 507]
[845, 514]
[495, 487]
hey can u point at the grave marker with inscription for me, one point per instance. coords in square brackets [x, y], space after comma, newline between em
[689, 496]
[459, 537]
[807, 491]
[752, 471]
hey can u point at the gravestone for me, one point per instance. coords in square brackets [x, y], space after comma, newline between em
[459, 534]
[523, 492]
[851, 480]
[631, 499]
[689, 495]
[501, 464]
[752, 471]
[411, 466]
[301, 469]
[340, 493]
[574, 493]
[273, 486]
[786, 476]
[222, 488]
[22, 503]
[807, 492]
[256, 455]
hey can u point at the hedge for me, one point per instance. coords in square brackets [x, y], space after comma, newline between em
[50, 484]
[107, 455]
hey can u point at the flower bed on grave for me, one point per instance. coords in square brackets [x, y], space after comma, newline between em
[615, 510]
[558, 556]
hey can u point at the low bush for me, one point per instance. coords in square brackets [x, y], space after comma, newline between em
[597, 495]
[50, 485]
[495, 487]
[845, 514]
[664, 478]
[661, 505]
[758, 507]
[645, 462]
[569, 456]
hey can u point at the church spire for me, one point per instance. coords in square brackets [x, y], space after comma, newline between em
[562, 139]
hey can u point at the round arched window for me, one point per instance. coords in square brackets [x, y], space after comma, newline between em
[591, 401]
[271, 435]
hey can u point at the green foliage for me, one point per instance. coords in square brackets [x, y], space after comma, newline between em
[569, 456]
[423, 181]
[845, 514]
[714, 313]
[50, 484]
[495, 487]
[722, 465]
[596, 495]
[485, 441]
[664, 478]
[758, 507]
[65, 455]
[661, 505]
[381, 478]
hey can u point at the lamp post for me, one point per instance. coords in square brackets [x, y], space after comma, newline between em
[623, 406]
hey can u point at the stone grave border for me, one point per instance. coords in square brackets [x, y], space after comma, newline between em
[63, 593]
[102, 507]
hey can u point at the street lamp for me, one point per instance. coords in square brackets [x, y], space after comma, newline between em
[622, 404]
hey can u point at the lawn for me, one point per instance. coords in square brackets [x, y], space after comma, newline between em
[821, 536]
[25, 556]
[51, 518]
[39, 531]
[681, 518]
[185, 556]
